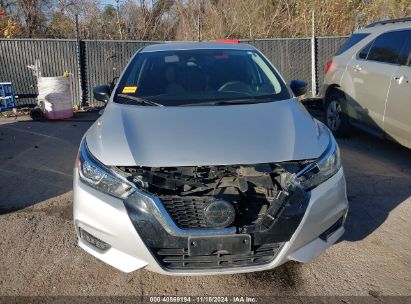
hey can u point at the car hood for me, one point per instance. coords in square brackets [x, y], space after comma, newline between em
[130, 135]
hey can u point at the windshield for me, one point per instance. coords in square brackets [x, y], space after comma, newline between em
[190, 77]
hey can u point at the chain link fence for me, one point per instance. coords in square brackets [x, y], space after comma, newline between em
[102, 61]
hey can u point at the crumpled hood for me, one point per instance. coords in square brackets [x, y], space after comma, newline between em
[129, 135]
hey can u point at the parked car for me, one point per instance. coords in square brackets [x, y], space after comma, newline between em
[368, 82]
[204, 162]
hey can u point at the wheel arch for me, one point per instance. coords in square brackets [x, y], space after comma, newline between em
[337, 90]
[333, 89]
[339, 96]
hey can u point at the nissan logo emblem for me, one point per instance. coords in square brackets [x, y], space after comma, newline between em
[219, 214]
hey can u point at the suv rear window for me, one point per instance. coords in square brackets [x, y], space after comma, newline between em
[353, 40]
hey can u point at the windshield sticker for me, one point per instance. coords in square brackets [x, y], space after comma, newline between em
[128, 90]
[171, 59]
[221, 56]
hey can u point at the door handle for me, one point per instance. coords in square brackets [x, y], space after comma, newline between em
[357, 68]
[401, 79]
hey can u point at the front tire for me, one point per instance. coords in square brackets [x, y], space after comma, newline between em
[335, 117]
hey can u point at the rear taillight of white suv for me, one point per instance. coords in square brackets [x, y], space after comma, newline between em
[329, 63]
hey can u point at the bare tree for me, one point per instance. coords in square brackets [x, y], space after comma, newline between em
[191, 19]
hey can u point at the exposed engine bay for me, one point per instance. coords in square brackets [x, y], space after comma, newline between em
[248, 197]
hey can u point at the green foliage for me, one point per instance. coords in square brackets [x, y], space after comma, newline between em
[61, 26]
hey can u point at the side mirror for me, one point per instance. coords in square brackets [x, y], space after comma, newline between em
[299, 87]
[102, 93]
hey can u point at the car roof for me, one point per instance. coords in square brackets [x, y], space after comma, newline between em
[380, 28]
[174, 46]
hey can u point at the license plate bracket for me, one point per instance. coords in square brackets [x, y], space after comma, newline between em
[207, 245]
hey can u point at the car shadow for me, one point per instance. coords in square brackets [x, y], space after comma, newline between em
[378, 176]
[37, 159]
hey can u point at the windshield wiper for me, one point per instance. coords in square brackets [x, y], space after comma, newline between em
[140, 100]
[230, 101]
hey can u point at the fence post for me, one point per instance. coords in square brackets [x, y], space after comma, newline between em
[81, 67]
[313, 58]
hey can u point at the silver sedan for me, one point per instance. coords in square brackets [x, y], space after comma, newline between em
[204, 162]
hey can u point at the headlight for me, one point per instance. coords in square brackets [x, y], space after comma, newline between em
[104, 179]
[326, 166]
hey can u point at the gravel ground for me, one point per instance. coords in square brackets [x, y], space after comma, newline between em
[39, 255]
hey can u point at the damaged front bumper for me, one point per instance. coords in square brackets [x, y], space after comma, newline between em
[138, 232]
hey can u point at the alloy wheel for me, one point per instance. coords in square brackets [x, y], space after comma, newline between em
[334, 115]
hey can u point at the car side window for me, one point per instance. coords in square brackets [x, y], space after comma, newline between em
[405, 58]
[386, 48]
[364, 52]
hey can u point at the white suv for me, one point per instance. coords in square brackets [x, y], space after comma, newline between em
[368, 82]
